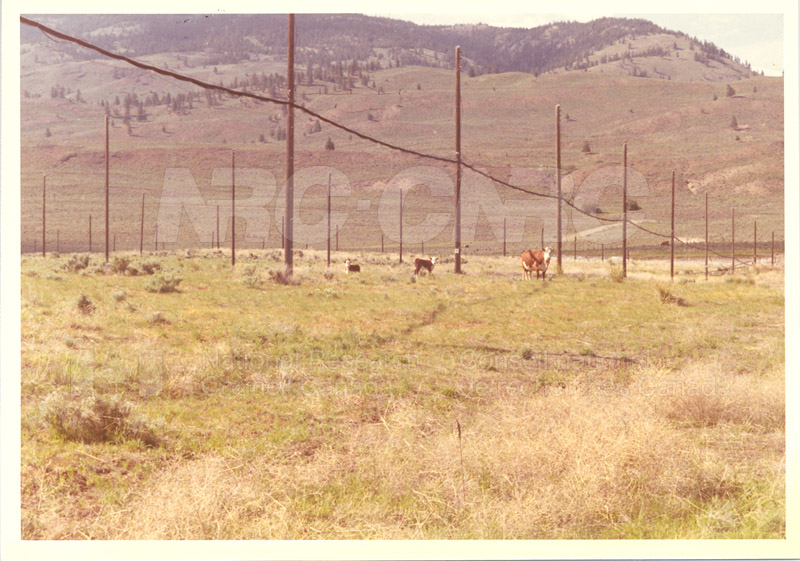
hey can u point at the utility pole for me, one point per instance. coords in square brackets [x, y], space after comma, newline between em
[288, 252]
[458, 163]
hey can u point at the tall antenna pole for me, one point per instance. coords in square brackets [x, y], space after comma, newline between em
[107, 223]
[672, 234]
[233, 208]
[458, 162]
[558, 184]
[44, 204]
[288, 254]
[329, 220]
[625, 210]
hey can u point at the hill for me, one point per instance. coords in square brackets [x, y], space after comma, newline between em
[330, 43]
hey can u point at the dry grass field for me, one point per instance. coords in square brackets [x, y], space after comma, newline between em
[228, 405]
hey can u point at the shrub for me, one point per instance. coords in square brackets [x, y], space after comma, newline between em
[251, 278]
[95, 418]
[150, 266]
[157, 318]
[162, 283]
[133, 271]
[668, 298]
[526, 353]
[119, 296]
[734, 123]
[328, 275]
[281, 278]
[586, 148]
[633, 205]
[85, 305]
[329, 144]
[76, 263]
[729, 91]
[120, 265]
[615, 272]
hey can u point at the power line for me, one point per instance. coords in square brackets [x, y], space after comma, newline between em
[51, 33]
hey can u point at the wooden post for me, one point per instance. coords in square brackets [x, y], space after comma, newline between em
[44, 207]
[115, 244]
[58, 240]
[381, 243]
[602, 252]
[141, 230]
[458, 163]
[329, 220]
[575, 248]
[337, 238]
[233, 208]
[107, 164]
[423, 248]
[772, 250]
[624, 210]
[156, 236]
[558, 185]
[218, 227]
[672, 233]
[90, 233]
[288, 255]
[755, 241]
[283, 237]
[504, 237]
[706, 235]
[542, 240]
[401, 225]
[733, 240]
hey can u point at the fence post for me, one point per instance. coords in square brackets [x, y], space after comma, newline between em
[558, 184]
[575, 248]
[156, 237]
[602, 252]
[44, 206]
[107, 221]
[90, 233]
[401, 224]
[772, 250]
[504, 237]
[381, 243]
[672, 233]
[288, 255]
[141, 230]
[423, 248]
[58, 241]
[283, 237]
[218, 228]
[706, 235]
[233, 208]
[114, 249]
[755, 241]
[337, 238]
[329, 220]
[458, 162]
[542, 240]
[625, 210]
[733, 240]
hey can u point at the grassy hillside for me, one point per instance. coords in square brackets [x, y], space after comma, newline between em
[240, 408]
[508, 126]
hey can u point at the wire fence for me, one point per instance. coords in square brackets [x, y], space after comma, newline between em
[73, 241]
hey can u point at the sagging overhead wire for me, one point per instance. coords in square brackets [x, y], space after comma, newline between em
[53, 34]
